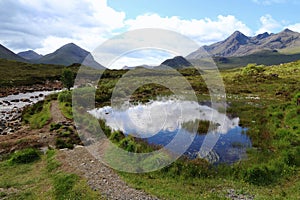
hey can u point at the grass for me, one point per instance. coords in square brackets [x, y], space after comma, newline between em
[264, 58]
[65, 104]
[28, 74]
[210, 188]
[38, 115]
[24, 156]
[42, 179]
[66, 109]
[264, 99]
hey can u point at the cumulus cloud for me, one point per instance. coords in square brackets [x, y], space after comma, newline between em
[294, 27]
[268, 24]
[32, 24]
[46, 25]
[204, 31]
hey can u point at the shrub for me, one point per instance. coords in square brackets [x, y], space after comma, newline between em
[62, 143]
[292, 158]
[116, 136]
[67, 78]
[65, 96]
[24, 156]
[128, 144]
[252, 70]
[259, 175]
[55, 126]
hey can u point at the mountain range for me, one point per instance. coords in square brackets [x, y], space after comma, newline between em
[237, 50]
[238, 45]
[65, 55]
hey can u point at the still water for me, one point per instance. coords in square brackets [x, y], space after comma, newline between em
[159, 122]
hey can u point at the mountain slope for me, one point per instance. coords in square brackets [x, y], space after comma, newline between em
[30, 55]
[5, 53]
[177, 62]
[69, 54]
[238, 44]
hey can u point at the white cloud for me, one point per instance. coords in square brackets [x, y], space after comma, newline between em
[268, 2]
[268, 24]
[148, 57]
[33, 24]
[46, 25]
[294, 27]
[203, 31]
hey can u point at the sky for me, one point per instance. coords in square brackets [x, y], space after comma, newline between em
[44, 26]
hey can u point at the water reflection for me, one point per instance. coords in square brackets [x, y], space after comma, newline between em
[160, 121]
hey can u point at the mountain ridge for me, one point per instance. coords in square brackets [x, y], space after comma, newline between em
[238, 44]
[29, 55]
[6, 53]
[69, 54]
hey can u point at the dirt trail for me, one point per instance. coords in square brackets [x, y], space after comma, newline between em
[56, 114]
[99, 176]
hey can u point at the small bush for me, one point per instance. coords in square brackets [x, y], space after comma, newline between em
[252, 70]
[64, 143]
[292, 158]
[65, 96]
[128, 144]
[259, 175]
[116, 136]
[54, 126]
[24, 156]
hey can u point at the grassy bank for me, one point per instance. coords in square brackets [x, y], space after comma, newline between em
[28, 174]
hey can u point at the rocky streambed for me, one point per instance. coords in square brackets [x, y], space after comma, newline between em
[11, 108]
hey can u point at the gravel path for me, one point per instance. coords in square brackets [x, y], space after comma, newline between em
[99, 176]
[56, 114]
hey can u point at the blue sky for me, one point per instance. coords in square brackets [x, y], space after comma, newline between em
[248, 11]
[46, 25]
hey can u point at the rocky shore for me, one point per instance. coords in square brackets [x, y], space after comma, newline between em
[47, 86]
[11, 108]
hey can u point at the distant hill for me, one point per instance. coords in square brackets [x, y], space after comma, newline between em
[5, 53]
[238, 44]
[177, 62]
[69, 54]
[263, 57]
[30, 55]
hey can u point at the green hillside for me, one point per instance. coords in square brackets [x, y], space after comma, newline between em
[14, 73]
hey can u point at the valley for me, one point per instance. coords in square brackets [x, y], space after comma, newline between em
[264, 102]
[47, 132]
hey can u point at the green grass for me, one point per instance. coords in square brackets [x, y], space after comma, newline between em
[65, 103]
[66, 109]
[264, 58]
[38, 115]
[272, 169]
[24, 156]
[28, 74]
[210, 188]
[42, 179]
